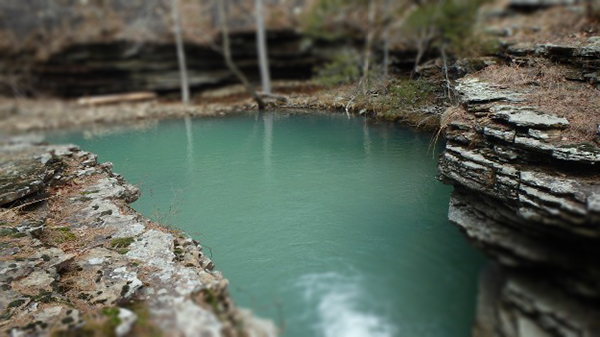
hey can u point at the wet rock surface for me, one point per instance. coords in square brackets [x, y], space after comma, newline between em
[76, 259]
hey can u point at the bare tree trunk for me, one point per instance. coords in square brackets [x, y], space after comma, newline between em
[369, 42]
[422, 45]
[229, 61]
[261, 45]
[589, 10]
[386, 39]
[185, 87]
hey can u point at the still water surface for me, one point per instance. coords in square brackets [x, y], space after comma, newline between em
[327, 225]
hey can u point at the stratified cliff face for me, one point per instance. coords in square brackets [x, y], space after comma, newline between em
[46, 26]
[87, 47]
[527, 192]
[125, 66]
[72, 48]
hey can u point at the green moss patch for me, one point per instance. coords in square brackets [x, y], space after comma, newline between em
[121, 242]
[63, 234]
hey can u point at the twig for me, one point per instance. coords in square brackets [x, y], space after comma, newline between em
[353, 97]
[348, 105]
[444, 121]
[27, 204]
[280, 98]
[448, 84]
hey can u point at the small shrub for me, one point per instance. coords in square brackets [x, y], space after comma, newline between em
[407, 100]
[406, 93]
[343, 68]
[322, 22]
[454, 23]
[113, 315]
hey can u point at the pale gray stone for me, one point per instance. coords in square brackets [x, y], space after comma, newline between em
[473, 90]
[127, 319]
[527, 117]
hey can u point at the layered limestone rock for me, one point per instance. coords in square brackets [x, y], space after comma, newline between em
[124, 66]
[79, 47]
[583, 56]
[530, 199]
[76, 47]
[76, 259]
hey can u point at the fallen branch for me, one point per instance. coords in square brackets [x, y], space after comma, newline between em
[117, 98]
[23, 205]
[279, 98]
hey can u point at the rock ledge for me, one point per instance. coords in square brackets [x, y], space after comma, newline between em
[76, 259]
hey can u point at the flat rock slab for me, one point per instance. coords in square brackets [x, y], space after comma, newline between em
[528, 117]
[566, 50]
[25, 170]
[475, 91]
[21, 177]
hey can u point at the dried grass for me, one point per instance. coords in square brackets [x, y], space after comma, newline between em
[579, 104]
[553, 25]
[452, 114]
[10, 215]
[545, 86]
[455, 114]
[73, 282]
[512, 75]
[23, 244]
[63, 213]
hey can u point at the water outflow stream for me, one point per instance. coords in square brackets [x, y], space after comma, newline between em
[327, 225]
